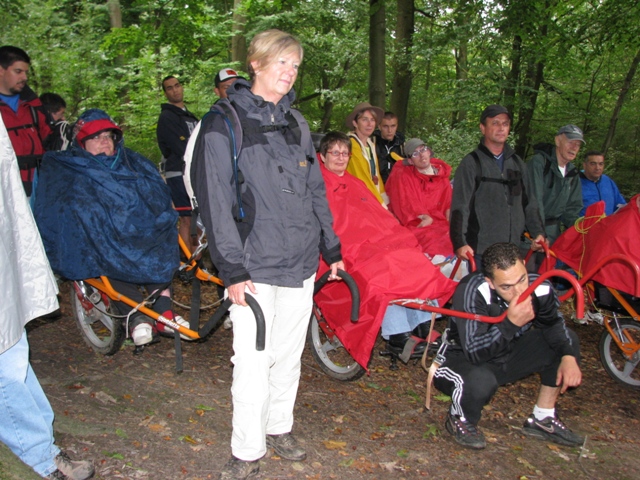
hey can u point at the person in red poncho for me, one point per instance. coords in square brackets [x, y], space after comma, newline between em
[384, 258]
[617, 233]
[420, 196]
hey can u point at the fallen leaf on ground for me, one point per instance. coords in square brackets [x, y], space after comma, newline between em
[105, 398]
[388, 466]
[189, 439]
[334, 444]
[525, 463]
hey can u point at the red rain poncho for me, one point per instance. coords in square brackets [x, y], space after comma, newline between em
[617, 233]
[383, 257]
[411, 194]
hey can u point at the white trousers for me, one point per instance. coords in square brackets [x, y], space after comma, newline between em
[265, 383]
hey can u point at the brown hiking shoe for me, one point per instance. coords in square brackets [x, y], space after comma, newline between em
[286, 446]
[236, 469]
[73, 470]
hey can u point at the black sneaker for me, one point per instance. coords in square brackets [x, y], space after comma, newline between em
[465, 432]
[236, 469]
[286, 446]
[551, 429]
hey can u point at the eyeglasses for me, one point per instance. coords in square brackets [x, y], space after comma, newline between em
[103, 136]
[336, 153]
[419, 150]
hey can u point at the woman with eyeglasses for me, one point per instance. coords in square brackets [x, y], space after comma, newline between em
[103, 209]
[420, 196]
[383, 257]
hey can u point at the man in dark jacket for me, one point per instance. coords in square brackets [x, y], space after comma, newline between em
[22, 113]
[389, 144]
[493, 198]
[174, 129]
[532, 338]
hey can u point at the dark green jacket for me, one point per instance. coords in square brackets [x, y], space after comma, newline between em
[559, 197]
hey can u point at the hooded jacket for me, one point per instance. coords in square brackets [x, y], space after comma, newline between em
[27, 286]
[174, 129]
[28, 128]
[484, 212]
[281, 189]
[559, 197]
[411, 194]
[384, 259]
[106, 215]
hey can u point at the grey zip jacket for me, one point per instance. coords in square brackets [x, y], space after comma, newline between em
[282, 192]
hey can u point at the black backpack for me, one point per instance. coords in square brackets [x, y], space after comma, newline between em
[225, 109]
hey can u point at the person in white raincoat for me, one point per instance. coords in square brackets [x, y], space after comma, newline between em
[27, 290]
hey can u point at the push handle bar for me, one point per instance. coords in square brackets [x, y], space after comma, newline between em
[472, 265]
[486, 319]
[224, 307]
[353, 289]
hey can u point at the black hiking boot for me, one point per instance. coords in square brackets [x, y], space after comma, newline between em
[399, 340]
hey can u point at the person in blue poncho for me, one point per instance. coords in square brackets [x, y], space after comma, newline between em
[103, 209]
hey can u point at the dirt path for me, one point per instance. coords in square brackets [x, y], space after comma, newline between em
[137, 419]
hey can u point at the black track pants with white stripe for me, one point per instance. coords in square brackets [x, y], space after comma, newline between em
[471, 386]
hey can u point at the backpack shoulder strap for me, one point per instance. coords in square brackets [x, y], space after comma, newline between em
[547, 166]
[226, 110]
[305, 131]
[481, 178]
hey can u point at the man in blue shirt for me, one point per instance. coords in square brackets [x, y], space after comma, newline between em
[597, 186]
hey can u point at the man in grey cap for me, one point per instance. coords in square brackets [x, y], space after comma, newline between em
[556, 181]
[492, 194]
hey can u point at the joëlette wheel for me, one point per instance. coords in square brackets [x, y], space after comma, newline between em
[92, 311]
[621, 367]
[329, 353]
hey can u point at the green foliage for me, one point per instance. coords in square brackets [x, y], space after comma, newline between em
[583, 51]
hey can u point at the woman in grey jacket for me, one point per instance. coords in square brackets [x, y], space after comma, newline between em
[265, 226]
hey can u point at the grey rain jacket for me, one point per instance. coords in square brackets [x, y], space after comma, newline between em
[283, 195]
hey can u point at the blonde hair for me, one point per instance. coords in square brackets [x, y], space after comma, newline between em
[266, 46]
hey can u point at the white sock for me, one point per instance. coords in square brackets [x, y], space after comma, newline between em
[542, 413]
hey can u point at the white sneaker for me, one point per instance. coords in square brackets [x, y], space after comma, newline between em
[595, 317]
[142, 334]
[162, 328]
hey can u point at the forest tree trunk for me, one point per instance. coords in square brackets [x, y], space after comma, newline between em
[621, 96]
[402, 74]
[377, 73]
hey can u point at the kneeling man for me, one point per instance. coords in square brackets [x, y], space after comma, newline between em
[480, 357]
